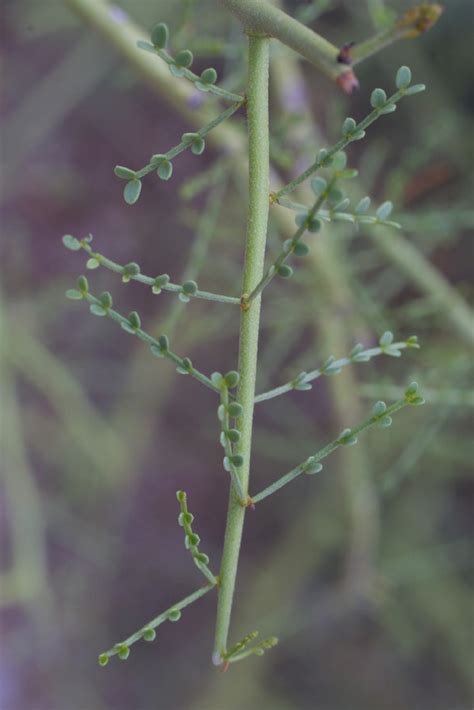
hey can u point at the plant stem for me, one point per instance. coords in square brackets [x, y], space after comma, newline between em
[295, 472]
[261, 16]
[157, 621]
[258, 132]
[336, 366]
[155, 346]
[286, 253]
[150, 281]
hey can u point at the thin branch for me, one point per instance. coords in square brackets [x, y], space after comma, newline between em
[356, 132]
[332, 367]
[289, 246]
[381, 414]
[159, 347]
[227, 434]
[188, 74]
[147, 632]
[411, 24]
[161, 162]
[259, 17]
[192, 540]
[129, 272]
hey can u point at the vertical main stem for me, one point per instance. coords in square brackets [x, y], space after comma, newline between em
[259, 188]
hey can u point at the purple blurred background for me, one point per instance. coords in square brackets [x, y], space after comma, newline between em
[364, 571]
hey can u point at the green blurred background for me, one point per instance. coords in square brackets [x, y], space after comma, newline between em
[365, 571]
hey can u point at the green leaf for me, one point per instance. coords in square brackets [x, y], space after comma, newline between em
[313, 226]
[285, 271]
[348, 127]
[339, 160]
[92, 263]
[189, 288]
[71, 242]
[82, 284]
[127, 328]
[388, 108]
[362, 206]
[318, 185]
[160, 282]
[189, 137]
[174, 615]
[378, 409]
[175, 70]
[123, 652]
[232, 379]
[235, 409]
[131, 191]
[164, 343]
[198, 146]
[301, 249]
[97, 310]
[184, 58]
[216, 379]
[378, 98]
[237, 460]
[131, 269]
[106, 299]
[233, 435]
[160, 35]
[103, 659]
[149, 635]
[386, 339]
[412, 389]
[412, 341]
[202, 558]
[324, 158]
[311, 466]
[124, 173]
[348, 174]
[134, 320]
[415, 89]
[384, 210]
[74, 295]
[209, 76]
[156, 350]
[165, 170]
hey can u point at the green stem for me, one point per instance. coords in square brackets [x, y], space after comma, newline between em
[190, 75]
[154, 623]
[184, 145]
[284, 255]
[295, 472]
[324, 160]
[261, 17]
[153, 343]
[304, 378]
[234, 474]
[258, 131]
[150, 281]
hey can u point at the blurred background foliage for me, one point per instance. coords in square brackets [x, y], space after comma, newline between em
[363, 572]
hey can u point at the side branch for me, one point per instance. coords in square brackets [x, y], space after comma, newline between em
[131, 272]
[102, 306]
[260, 17]
[381, 415]
[147, 632]
[352, 131]
[333, 366]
